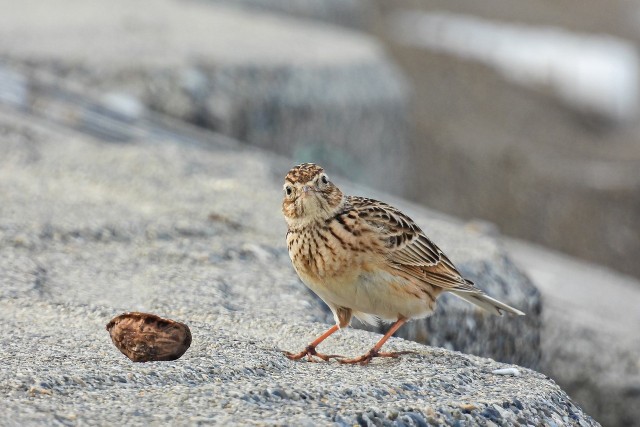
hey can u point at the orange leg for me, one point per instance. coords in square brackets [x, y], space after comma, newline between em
[375, 350]
[310, 350]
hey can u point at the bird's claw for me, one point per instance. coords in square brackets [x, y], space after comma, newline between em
[310, 352]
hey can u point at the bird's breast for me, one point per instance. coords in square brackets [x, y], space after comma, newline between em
[350, 271]
[331, 251]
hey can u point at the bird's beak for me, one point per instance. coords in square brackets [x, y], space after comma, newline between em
[308, 191]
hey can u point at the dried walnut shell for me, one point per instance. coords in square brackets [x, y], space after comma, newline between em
[144, 337]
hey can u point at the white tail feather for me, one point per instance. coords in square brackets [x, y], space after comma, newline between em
[487, 303]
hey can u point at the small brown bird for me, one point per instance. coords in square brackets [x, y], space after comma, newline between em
[367, 259]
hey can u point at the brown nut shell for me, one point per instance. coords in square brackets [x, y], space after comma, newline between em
[144, 337]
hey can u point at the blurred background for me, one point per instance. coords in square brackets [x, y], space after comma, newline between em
[516, 118]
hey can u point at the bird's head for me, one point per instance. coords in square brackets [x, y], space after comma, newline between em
[309, 195]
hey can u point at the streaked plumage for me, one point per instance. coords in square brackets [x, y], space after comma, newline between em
[366, 258]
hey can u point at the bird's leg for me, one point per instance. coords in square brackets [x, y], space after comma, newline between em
[310, 350]
[375, 350]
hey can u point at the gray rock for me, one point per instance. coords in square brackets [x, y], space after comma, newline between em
[89, 229]
[590, 342]
[456, 324]
[230, 373]
[302, 88]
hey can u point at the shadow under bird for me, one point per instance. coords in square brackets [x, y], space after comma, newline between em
[367, 259]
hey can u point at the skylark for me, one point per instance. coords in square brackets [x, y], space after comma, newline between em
[367, 259]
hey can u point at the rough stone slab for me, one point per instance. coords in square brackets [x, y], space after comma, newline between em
[193, 232]
[147, 207]
[63, 368]
[303, 88]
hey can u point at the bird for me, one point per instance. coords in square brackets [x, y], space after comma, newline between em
[367, 259]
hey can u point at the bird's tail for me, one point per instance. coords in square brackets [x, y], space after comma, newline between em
[487, 303]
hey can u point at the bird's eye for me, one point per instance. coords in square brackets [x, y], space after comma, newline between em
[324, 179]
[288, 190]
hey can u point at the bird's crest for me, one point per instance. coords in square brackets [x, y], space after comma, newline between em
[303, 173]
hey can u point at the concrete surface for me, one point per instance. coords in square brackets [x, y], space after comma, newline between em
[508, 340]
[149, 217]
[192, 231]
[64, 371]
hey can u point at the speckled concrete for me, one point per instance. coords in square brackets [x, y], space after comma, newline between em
[269, 80]
[148, 206]
[89, 229]
[63, 369]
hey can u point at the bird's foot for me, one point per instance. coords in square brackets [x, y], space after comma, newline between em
[310, 352]
[366, 358]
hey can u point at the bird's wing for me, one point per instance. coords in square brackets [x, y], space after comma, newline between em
[408, 248]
